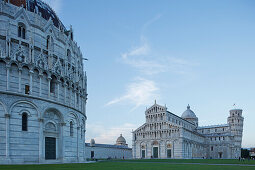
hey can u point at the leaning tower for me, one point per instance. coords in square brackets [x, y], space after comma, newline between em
[235, 121]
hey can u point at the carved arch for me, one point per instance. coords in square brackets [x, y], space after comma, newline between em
[26, 102]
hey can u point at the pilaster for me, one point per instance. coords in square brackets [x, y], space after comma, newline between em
[7, 119]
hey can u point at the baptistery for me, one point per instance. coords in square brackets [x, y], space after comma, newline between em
[43, 86]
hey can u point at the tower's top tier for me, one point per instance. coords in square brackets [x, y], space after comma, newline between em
[235, 112]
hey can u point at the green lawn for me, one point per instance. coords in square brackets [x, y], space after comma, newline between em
[210, 161]
[135, 164]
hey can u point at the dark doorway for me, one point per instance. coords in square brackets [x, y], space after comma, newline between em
[50, 148]
[92, 154]
[220, 154]
[155, 152]
[143, 153]
[169, 153]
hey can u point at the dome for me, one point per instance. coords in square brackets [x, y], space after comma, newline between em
[121, 140]
[38, 6]
[188, 114]
[92, 142]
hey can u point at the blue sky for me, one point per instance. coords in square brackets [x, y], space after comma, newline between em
[177, 52]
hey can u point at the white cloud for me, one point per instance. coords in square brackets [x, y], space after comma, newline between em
[109, 135]
[56, 5]
[138, 51]
[142, 59]
[150, 22]
[139, 93]
[148, 62]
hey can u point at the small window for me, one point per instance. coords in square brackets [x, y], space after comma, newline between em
[53, 83]
[212, 148]
[71, 128]
[21, 31]
[71, 36]
[81, 132]
[69, 57]
[24, 121]
[52, 86]
[27, 89]
[77, 99]
[48, 42]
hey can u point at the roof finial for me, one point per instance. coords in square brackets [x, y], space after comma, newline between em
[188, 107]
[155, 101]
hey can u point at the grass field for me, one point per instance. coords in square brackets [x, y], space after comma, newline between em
[139, 164]
[209, 161]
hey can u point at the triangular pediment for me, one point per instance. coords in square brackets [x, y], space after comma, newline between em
[156, 108]
[22, 16]
[50, 26]
[41, 61]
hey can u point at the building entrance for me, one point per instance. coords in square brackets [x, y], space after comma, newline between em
[168, 153]
[155, 152]
[220, 154]
[50, 148]
[143, 153]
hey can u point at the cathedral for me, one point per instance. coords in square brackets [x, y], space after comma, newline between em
[166, 135]
[119, 150]
[43, 88]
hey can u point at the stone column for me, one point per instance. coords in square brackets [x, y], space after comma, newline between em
[173, 148]
[41, 156]
[65, 92]
[49, 79]
[7, 131]
[58, 89]
[31, 82]
[20, 71]
[33, 55]
[62, 157]
[70, 97]
[75, 98]
[40, 85]
[7, 76]
[78, 128]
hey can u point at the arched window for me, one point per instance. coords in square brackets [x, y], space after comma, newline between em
[21, 31]
[71, 128]
[24, 121]
[53, 83]
[68, 53]
[48, 42]
[71, 36]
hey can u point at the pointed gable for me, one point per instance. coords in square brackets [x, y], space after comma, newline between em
[21, 16]
[50, 26]
[155, 109]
